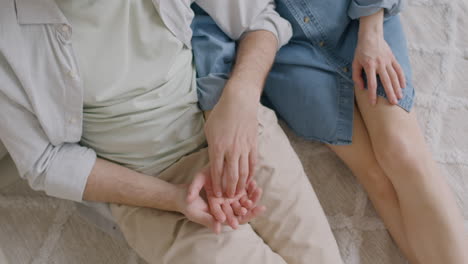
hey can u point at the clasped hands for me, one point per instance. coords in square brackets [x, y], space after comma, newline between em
[230, 193]
[211, 211]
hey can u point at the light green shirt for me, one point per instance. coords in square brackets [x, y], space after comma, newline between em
[140, 100]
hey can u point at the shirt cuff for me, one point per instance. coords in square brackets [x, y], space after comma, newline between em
[68, 172]
[210, 89]
[271, 21]
[361, 8]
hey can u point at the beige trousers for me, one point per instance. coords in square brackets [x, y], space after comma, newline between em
[293, 230]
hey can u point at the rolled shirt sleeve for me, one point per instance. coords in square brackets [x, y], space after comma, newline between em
[60, 170]
[360, 8]
[236, 18]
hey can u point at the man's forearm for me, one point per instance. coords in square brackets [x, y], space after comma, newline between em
[112, 183]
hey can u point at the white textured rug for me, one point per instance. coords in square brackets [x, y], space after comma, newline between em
[36, 229]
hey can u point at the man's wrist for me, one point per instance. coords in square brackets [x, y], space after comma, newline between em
[242, 91]
[179, 195]
[174, 197]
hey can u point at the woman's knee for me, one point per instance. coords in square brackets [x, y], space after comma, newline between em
[398, 154]
[376, 182]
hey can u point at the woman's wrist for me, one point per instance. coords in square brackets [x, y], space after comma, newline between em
[371, 26]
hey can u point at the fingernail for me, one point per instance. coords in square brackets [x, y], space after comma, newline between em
[218, 194]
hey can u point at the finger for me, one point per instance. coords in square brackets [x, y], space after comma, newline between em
[257, 211]
[231, 218]
[251, 188]
[257, 194]
[245, 202]
[253, 156]
[400, 73]
[387, 84]
[395, 82]
[357, 75]
[196, 186]
[205, 219]
[217, 212]
[217, 164]
[208, 184]
[372, 84]
[238, 209]
[217, 228]
[243, 173]
[232, 176]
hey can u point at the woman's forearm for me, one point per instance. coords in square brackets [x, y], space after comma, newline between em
[112, 183]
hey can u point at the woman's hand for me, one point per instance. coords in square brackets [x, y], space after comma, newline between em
[374, 56]
[196, 210]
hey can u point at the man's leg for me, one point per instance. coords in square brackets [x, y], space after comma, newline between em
[294, 225]
[432, 221]
[162, 237]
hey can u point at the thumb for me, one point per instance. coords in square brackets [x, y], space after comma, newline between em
[196, 186]
[208, 221]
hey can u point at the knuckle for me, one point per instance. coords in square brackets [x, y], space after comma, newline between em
[368, 63]
[231, 154]
[217, 147]
[233, 177]
[244, 173]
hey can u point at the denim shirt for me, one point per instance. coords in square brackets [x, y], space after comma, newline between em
[323, 21]
[41, 92]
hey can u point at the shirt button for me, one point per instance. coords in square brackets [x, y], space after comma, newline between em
[306, 19]
[345, 69]
[322, 43]
[65, 28]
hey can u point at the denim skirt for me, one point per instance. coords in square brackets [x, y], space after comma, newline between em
[310, 86]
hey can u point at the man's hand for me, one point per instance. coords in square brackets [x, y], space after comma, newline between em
[231, 131]
[232, 127]
[238, 210]
[375, 56]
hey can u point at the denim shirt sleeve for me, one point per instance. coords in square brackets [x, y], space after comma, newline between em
[360, 8]
[59, 170]
[214, 54]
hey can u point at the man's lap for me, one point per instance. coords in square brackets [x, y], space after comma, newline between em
[169, 237]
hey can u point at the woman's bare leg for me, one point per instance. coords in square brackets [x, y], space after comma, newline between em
[432, 221]
[360, 158]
